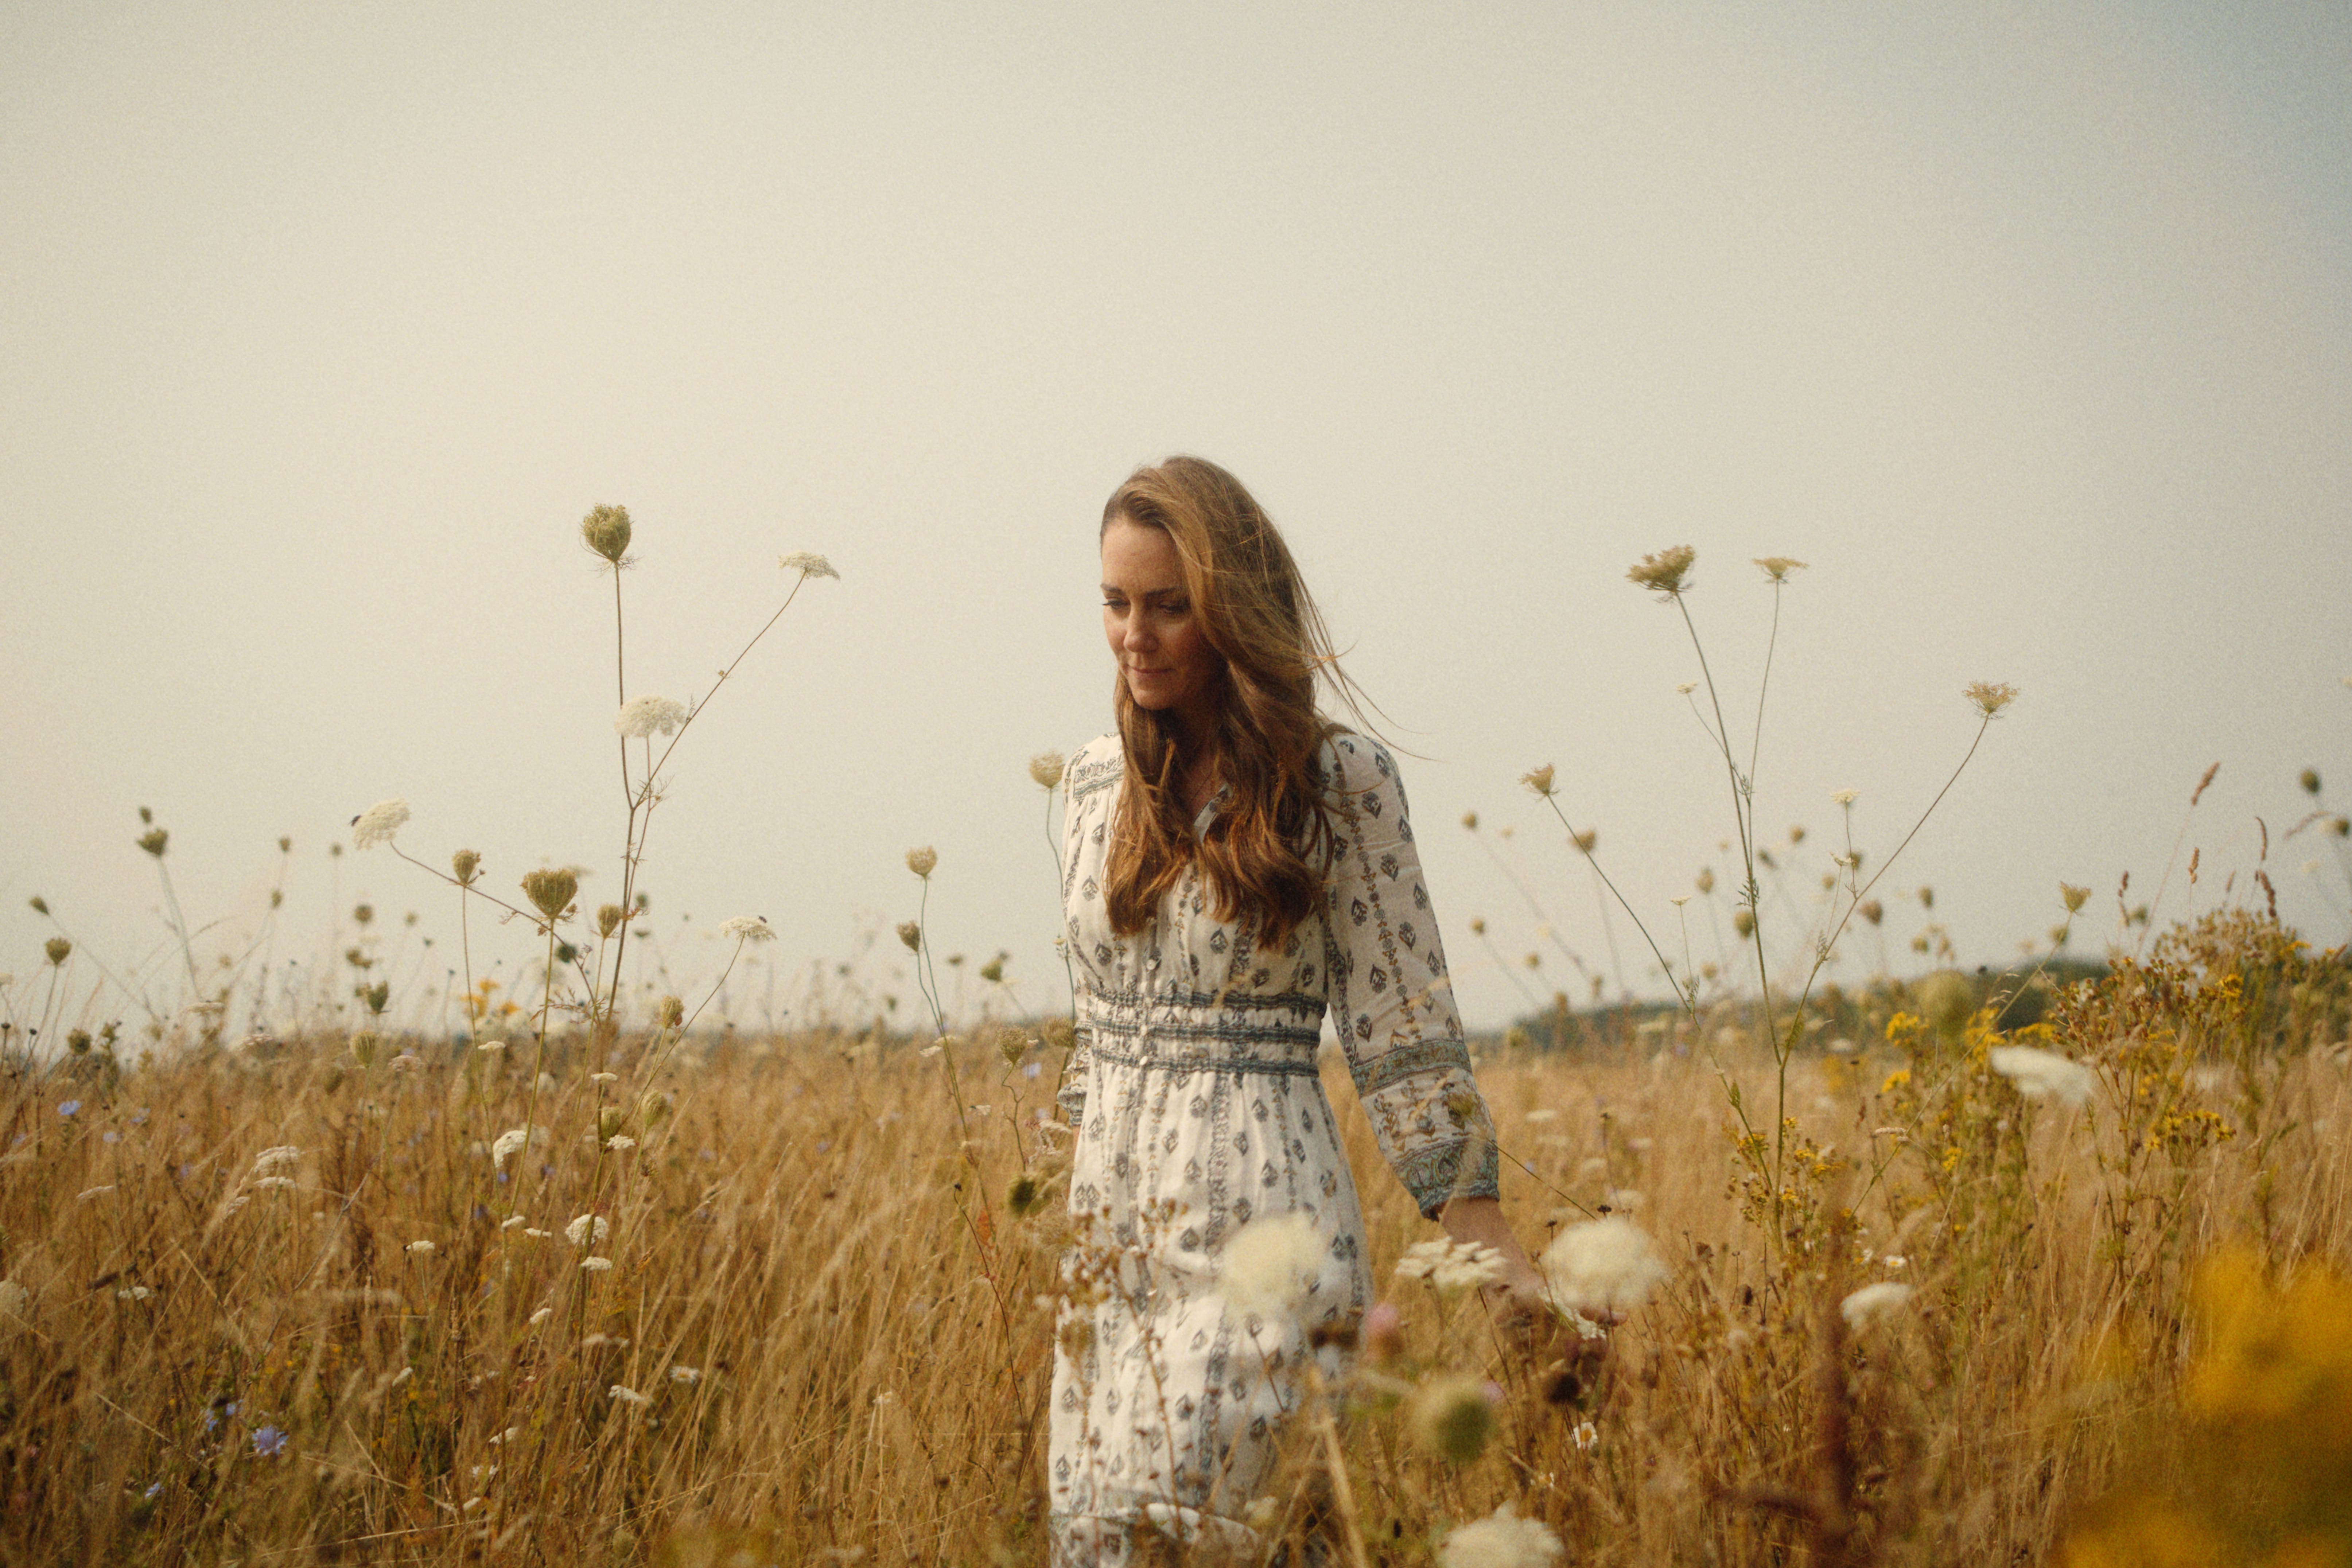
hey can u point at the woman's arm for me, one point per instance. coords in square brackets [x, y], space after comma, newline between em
[1480, 1221]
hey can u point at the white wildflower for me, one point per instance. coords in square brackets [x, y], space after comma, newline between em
[808, 564]
[1450, 1264]
[419, 1249]
[2043, 1075]
[272, 1184]
[1587, 1436]
[595, 1265]
[509, 1144]
[13, 1298]
[922, 859]
[513, 1222]
[1686, 688]
[270, 1160]
[620, 1396]
[1271, 1264]
[603, 1077]
[1846, 797]
[1894, 1261]
[535, 1234]
[1871, 1301]
[1046, 769]
[1602, 1266]
[378, 823]
[135, 1293]
[642, 717]
[749, 927]
[688, 1376]
[1501, 1540]
[542, 1316]
[578, 1232]
[620, 1143]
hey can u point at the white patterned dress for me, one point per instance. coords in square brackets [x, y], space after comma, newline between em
[1199, 1107]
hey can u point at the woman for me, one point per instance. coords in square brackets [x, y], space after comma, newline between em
[1235, 863]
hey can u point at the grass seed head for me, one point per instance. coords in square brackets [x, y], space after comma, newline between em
[59, 949]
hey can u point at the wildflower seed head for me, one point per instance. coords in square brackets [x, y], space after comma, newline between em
[41, 905]
[911, 934]
[669, 1013]
[1926, 898]
[153, 840]
[652, 1106]
[1539, 780]
[1470, 820]
[1707, 879]
[578, 1232]
[808, 564]
[2074, 897]
[1504, 1539]
[1946, 1000]
[1989, 697]
[1777, 567]
[1605, 1265]
[364, 1046]
[1664, 573]
[1586, 840]
[507, 1144]
[2043, 1075]
[1685, 688]
[608, 919]
[1478, 925]
[59, 949]
[78, 1042]
[1025, 1196]
[1872, 1301]
[605, 530]
[419, 1249]
[1743, 921]
[642, 717]
[749, 927]
[2310, 781]
[464, 865]
[376, 825]
[1047, 768]
[922, 859]
[377, 997]
[1845, 796]
[1271, 1264]
[551, 891]
[609, 1123]
[1452, 1417]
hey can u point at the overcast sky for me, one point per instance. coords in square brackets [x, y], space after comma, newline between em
[2029, 327]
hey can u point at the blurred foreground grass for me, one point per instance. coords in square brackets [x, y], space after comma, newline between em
[291, 1303]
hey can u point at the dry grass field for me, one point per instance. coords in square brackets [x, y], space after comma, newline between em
[291, 1303]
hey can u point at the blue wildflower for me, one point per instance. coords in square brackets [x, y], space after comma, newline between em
[69, 1107]
[270, 1442]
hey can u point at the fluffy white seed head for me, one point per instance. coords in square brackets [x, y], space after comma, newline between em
[378, 823]
[1602, 1266]
[641, 718]
[1272, 1264]
[2043, 1075]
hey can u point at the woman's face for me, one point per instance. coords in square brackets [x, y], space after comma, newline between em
[1154, 635]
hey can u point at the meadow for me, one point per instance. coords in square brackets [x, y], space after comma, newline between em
[2051, 1266]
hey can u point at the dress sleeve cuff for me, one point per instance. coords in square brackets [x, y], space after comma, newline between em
[1437, 1174]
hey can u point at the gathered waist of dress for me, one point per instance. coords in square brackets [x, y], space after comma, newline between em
[1184, 1034]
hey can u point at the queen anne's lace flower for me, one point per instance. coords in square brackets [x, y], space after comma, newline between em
[2043, 1075]
[808, 564]
[578, 1232]
[1501, 1540]
[378, 823]
[270, 1160]
[641, 718]
[1872, 1301]
[1602, 1266]
[1047, 768]
[1271, 1264]
[749, 927]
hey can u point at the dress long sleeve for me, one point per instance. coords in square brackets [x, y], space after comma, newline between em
[1391, 1001]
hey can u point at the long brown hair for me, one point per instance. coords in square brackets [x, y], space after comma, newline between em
[1265, 853]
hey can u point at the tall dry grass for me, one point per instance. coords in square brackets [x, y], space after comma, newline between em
[825, 1336]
